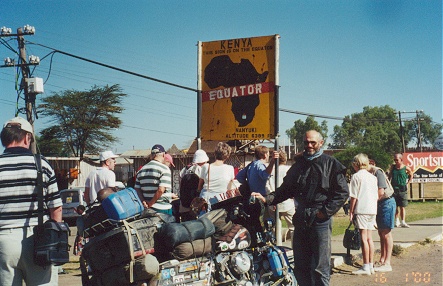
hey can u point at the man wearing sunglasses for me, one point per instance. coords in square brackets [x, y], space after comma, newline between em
[317, 182]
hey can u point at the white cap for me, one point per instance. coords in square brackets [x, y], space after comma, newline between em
[107, 155]
[19, 122]
[200, 156]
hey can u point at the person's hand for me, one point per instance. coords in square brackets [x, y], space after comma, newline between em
[351, 216]
[145, 204]
[258, 196]
[174, 196]
[275, 155]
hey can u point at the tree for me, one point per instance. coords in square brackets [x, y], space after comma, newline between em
[83, 120]
[50, 145]
[382, 159]
[374, 128]
[428, 130]
[298, 131]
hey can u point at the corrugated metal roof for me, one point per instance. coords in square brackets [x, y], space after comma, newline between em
[136, 153]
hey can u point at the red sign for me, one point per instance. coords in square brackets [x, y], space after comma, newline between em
[426, 166]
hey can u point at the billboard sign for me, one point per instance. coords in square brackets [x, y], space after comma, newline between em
[426, 166]
[237, 78]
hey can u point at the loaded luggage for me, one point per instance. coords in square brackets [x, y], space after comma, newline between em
[119, 244]
[114, 207]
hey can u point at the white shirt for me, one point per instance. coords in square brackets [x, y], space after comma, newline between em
[364, 188]
[99, 179]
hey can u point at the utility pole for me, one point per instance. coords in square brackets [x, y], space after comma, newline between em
[402, 133]
[419, 131]
[30, 86]
[29, 98]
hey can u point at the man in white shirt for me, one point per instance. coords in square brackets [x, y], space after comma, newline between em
[102, 177]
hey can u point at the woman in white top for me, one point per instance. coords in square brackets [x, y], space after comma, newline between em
[286, 209]
[363, 191]
[217, 177]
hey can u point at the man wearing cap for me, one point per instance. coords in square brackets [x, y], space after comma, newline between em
[102, 177]
[18, 207]
[153, 179]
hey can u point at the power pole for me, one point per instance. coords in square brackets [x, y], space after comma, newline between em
[29, 98]
[419, 131]
[30, 86]
[402, 133]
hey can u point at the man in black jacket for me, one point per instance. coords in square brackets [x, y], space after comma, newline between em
[317, 181]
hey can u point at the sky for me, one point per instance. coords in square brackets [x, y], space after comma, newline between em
[336, 57]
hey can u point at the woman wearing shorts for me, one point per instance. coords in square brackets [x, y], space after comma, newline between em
[363, 191]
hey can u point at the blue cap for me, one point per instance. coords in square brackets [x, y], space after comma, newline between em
[157, 148]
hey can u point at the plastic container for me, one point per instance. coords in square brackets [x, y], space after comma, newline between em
[275, 262]
[123, 204]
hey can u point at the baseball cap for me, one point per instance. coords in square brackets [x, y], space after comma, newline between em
[105, 155]
[157, 148]
[19, 122]
[169, 159]
[200, 156]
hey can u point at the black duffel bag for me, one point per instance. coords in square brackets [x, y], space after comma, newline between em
[51, 243]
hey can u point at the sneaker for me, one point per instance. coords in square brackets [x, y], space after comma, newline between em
[383, 268]
[362, 271]
[372, 271]
[397, 223]
[404, 225]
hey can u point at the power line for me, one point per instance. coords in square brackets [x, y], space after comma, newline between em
[117, 69]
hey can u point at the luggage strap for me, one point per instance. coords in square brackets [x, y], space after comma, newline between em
[129, 229]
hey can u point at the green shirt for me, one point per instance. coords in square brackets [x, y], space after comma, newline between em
[399, 177]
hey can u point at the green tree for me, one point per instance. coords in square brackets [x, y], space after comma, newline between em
[83, 120]
[50, 145]
[428, 130]
[374, 128]
[298, 131]
[382, 159]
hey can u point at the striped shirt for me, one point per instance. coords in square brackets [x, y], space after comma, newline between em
[150, 177]
[18, 196]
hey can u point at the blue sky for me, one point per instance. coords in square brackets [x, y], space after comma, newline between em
[336, 57]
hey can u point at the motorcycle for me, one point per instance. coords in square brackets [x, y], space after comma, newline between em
[270, 263]
[240, 255]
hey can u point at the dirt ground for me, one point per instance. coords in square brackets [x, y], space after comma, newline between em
[416, 265]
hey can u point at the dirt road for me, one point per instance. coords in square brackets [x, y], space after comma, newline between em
[416, 265]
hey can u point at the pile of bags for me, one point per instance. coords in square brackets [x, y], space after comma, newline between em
[127, 243]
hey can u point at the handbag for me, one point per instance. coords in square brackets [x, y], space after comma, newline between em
[50, 238]
[352, 238]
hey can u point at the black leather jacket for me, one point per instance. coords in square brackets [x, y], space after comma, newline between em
[318, 184]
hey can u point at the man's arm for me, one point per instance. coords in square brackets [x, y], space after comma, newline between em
[87, 195]
[142, 198]
[56, 213]
[270, 166]
[410, 174]
[340, 195]
[157, 195]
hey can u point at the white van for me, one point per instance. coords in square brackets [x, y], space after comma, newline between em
[72, 198]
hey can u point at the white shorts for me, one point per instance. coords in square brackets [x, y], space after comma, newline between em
[365, 221]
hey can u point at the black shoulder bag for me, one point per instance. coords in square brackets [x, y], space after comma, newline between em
[50, 238]
[352, 238]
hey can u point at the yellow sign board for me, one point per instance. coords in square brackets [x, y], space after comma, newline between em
[237, 80]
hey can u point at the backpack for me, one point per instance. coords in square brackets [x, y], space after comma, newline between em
[389, 190]
[189, 186]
